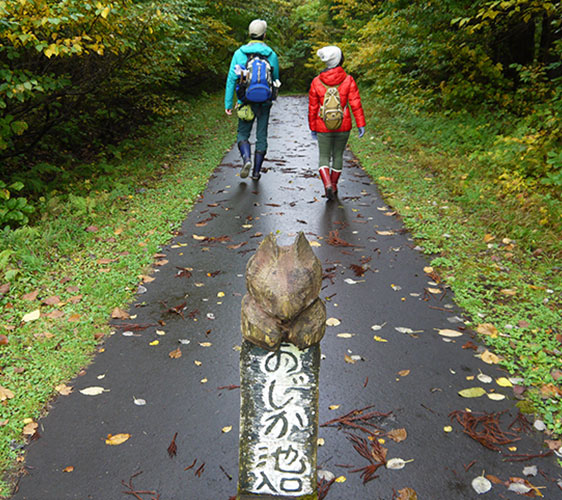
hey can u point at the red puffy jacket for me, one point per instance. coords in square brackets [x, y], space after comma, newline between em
[349, 94]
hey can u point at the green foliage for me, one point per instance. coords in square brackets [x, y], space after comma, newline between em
[14, 211]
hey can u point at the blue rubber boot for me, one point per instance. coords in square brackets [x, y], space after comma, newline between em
[258, 160]
[246, 153]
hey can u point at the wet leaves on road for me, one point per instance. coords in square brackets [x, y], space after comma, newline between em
[116, 439]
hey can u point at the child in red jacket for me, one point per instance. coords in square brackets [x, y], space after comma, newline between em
[332, 141]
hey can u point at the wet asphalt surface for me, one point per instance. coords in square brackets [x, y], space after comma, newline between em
[190, 396]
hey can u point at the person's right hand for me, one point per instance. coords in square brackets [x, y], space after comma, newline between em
[314, 135]
[228, 111]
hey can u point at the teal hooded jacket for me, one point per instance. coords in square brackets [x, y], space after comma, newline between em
[241, 57]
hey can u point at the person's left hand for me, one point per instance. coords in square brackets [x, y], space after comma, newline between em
[228, 112]
[361, 131]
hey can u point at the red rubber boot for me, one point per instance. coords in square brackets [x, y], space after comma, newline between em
[327, 181]
[334, 176]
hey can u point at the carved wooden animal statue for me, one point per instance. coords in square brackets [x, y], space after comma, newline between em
[282, 302]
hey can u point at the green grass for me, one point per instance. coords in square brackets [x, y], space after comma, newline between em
[135, 206]
[497, 243]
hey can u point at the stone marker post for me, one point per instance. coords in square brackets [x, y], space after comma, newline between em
[283, 321]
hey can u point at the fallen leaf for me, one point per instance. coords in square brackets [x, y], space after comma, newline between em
[472, 392]
[428, 269]
[333, 322]
[503, 382]
[448, 428]
[63, 389]
[32, 316]
[349, 359]
[204, 380]
[315, 244]
[398, 435]
[488, 237]
[489, 358]
[385, 233]
[119, 314]
[31, 295]
[74, 317]
[154, 342]
[508, 291]
[487, 329]
[51, 301]
[117, 439]
[197, 363]
[494, 396]
[4, 340]
[226, 429]
[161, 263]
[333, 407]
[446, 332]
[434, 290]
[30, 429]
[341, 479]
[198, 238]
[404, 373]
[175, 354]
[397, 463]
[481, 485]
[5, 394]
[160, 332]
[93, 391]
[205, 344]
[70, 468]
[407, 494]
[91, 229]
[530, 470]
[485, 379]
[345, 335]
[321, 442]
[139, 402]
[220, 294]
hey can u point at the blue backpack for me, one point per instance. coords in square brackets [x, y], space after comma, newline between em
[258, 82]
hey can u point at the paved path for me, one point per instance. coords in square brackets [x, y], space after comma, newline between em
[182, 394]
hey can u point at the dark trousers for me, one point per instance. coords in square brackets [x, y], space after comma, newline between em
[261, 110]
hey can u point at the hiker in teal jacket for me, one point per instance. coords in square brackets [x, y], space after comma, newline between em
[260, 110]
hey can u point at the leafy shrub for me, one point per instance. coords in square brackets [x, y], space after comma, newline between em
[14, 211]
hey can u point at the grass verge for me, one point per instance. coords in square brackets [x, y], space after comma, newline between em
[498, 247]
[61, 278]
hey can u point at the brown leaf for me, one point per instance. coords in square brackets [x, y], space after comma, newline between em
[349, 359]
[237, 246]
[117, 439]
[556, 374]
[398, 435]
[487, 329]
[104, 262]
[160, 263]
[72, 289]
[172, 449]
[407, 494]
[4, 289]
[494, 479]
[75, 299]
[470, 345]
[3, 340]
[63, 389]
[119, 314]
[31, 295]
[30, 429]
[5, 394]
[553, 445]
[75, 317]
[404, 373]
[549, 391]
[175, 354]
[54, 314]
[91, 229]
[70, 468]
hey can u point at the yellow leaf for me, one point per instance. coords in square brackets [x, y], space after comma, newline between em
[32, 316]
[448, 428]
[333, 322]
[117, 439]
[385, 233]
[204, 380]
[404, 373]
[428, 269]
[321, 441]
[341, 479]
[434, 290]
[154, 342]
[488, 237]
[197, 363]
[70, 468]
[472, 392]
[487, 329]
[379, 339]
[226, 429]
[105, 12]
[489, 358]
[349, 359]
[334, 407]
[205, 344]
[504, 382]
[315, 244]
[220, 294]
[198, 238]
[345, 335]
